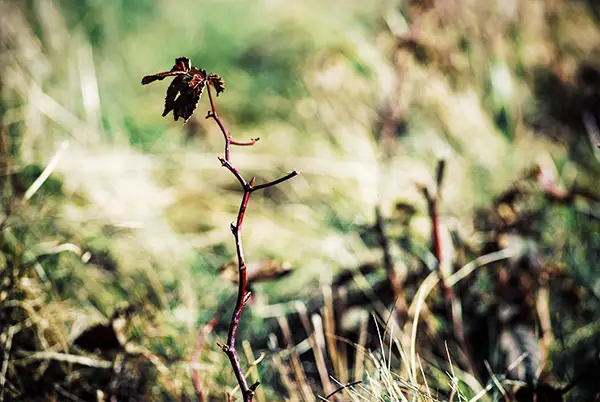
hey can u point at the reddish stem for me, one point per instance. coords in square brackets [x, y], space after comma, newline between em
[234, 171]
[437, 243]
[236, 229]
[243, 294]
[203, 333]
[447, 293]
[212, 113]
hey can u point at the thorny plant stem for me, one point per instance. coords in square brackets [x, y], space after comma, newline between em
[236, 229]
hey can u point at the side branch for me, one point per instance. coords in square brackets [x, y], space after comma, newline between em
[245, 144]
[275, 182]
[212, 114]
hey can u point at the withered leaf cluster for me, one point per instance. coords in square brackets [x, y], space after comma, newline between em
[186, 88]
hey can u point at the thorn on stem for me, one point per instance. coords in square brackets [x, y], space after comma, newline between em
[251, 185]
[222, 160]
[247, 297]
[233, 228]
[254, 386]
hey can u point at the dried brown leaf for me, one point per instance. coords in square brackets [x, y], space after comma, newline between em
[160, 76]
[185, 90]
[172, 92]
[186, 102]
[182, 64]
[217, 82]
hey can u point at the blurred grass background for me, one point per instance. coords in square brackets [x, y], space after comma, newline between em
[362, 97]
